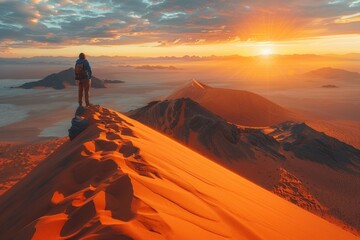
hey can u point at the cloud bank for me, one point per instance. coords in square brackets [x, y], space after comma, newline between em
[52, 24]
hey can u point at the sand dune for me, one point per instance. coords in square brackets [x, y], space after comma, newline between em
[246, 108]
[281, 159]
[122, 180]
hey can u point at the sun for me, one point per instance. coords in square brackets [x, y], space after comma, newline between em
[266, 51]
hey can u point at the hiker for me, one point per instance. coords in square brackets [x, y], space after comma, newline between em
[83, 78]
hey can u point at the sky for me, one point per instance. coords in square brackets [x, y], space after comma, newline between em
[178, 27]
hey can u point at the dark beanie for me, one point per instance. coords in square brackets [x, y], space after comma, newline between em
[82, 56]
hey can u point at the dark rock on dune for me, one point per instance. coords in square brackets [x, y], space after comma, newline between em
[78, 123]
[194, 125]
[61, 80]
[309, 144]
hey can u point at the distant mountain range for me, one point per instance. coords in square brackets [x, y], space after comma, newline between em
[333, 74]
[66, 60]
[63, 79]
[290, 159]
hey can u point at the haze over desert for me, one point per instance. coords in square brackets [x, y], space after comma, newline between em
[158, 119]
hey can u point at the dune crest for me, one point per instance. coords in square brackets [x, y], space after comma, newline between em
[120, 179]
[195, 83]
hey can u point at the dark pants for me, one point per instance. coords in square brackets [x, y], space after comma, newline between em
[84, 86]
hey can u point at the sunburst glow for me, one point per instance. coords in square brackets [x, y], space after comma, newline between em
[266, 51]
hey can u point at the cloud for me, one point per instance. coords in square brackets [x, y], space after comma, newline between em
[50, 23]
[348, 19]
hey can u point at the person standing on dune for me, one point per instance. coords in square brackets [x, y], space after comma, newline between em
[83, 78]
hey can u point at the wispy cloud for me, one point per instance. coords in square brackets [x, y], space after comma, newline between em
[349, 18]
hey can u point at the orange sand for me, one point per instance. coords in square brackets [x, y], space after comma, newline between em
[120, 179]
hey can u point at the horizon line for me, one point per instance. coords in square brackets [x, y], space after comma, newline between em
[187, 55]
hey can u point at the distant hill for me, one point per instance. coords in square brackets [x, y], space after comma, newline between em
[291, 159]
[236, 106]
[63, 79]
[333, 74]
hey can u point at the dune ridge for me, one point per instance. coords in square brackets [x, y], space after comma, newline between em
[120, 179]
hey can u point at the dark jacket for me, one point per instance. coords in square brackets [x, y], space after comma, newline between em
[86, 66]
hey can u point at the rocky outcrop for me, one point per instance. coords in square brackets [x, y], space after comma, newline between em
[308, 144]
[79, 123]
[292, 189]
[194, 125]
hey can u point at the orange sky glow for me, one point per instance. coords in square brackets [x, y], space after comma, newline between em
[340, 44]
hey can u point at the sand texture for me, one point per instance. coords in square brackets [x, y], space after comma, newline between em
[293, 160]
[122, 180]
